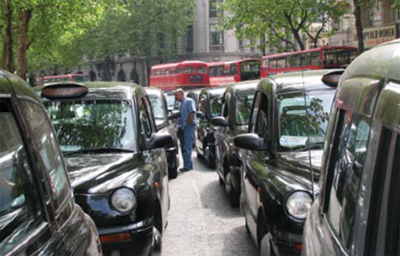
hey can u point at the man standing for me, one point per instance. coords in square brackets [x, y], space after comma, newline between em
[186, 126]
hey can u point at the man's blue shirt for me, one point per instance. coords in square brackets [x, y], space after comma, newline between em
[187, 107]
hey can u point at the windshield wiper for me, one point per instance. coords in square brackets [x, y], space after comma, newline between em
[98, 150]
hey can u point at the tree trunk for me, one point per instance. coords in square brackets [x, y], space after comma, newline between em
[4, 55]
[9, 62]
[22, 49]
[298, 39]
[106, 74]
[359, 27]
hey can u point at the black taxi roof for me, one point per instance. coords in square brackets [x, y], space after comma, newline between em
[13, 85]
[214, 90]
[297, 81]
[381, 61]
[243, 86]
[107, 90]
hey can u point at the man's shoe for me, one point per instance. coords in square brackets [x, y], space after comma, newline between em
[184, 170]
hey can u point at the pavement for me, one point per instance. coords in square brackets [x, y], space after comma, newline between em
[201, 220]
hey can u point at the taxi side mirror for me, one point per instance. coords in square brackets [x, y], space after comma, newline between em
[157, 140]
[174, 114]
[220, 121]
[250, 141]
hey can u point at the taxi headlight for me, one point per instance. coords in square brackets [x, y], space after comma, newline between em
[298, 204]
[123, 200]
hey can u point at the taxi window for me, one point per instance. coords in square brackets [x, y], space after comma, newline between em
[49, 152]
[244, 103]
[215, 104]
[347, 171]
[85, 124]
[261, 126]
[20, 212]
[158, 109]
[203, 104]
[145, 122]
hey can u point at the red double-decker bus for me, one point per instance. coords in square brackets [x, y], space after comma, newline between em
[224, 73]
[61, 78]
[318, 58]
[186, 75]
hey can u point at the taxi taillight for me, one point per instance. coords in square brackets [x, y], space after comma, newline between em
[64, 90]
[115, 237]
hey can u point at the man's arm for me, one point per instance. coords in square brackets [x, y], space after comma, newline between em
[190, 118]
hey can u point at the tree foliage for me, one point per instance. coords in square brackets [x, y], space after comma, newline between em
[281, 21]
[42, 26]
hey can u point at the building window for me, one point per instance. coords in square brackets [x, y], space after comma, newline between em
[216, 39]
[214, 10]
[346, 23]
[395, 14]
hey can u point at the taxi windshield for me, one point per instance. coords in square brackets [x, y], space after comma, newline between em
[301, 125]
[93, 124]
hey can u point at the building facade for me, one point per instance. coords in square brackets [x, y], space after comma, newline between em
[380, 21]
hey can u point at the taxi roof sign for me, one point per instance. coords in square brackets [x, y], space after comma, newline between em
[64, 90]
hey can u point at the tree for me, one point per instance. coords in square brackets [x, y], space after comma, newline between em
[274, 19]
[43, 25]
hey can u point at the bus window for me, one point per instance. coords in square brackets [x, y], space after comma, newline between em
[296, 60]
[315, 59]
[220, 71]
[281, 63]
[265, 63]
[305, 59]
[188, 70]
[272, 63]
[213, 71]
[234, 70]
[179, 71]
[167, 71]
[227, 71]
[201, 70]
[157, 72]
[173, 70]
[162, 72]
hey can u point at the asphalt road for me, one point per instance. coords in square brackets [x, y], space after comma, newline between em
[201, 220]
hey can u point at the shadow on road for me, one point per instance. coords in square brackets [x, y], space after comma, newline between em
[239, 236]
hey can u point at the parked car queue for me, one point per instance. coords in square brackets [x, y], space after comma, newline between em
[292, 162]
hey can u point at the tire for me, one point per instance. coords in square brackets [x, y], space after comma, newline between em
[232, 193]
[173, 173]
[263, 237]
[211, 163]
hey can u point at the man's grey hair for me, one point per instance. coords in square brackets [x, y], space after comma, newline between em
[180, 91]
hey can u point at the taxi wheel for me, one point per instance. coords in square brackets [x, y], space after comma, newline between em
[263, 237]
[233, 194]
[173, 173]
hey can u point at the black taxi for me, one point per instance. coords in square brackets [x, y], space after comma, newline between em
[357, 212]
[210, 105]
[237, 103]
[116, 161]
[164, 124]
[38, 215]
[282, 156]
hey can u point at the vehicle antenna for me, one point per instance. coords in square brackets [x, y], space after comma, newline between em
[308, 136]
